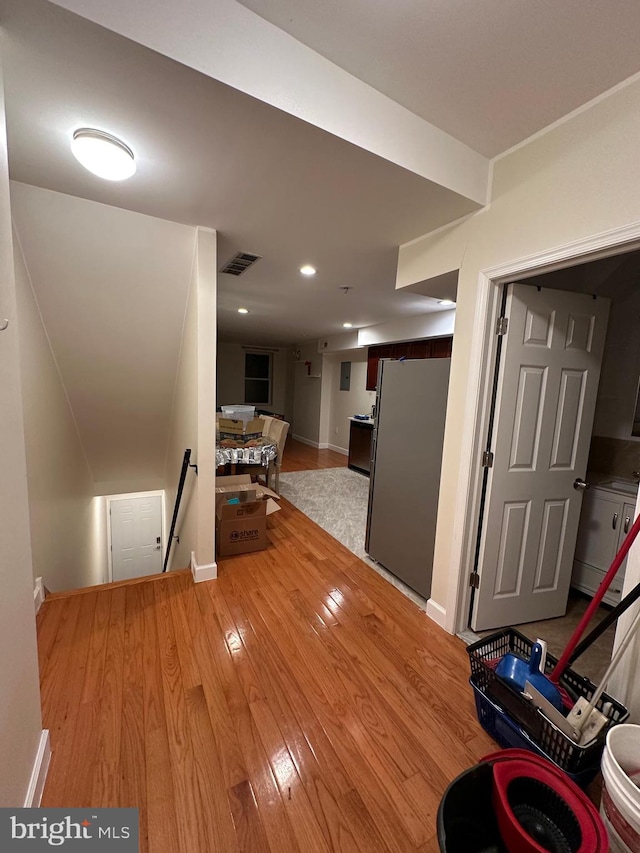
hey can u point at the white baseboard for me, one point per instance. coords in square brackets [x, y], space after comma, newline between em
[206, 572]
[436, 612]
[39, 772]
[342, 450]
[306, 441]
[321, 446]
[38, 594]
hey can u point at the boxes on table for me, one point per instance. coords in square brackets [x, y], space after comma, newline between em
[239, 429]
[240, 423]
[241, 526]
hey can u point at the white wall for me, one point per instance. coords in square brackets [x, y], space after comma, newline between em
[578, 180]
[230, 377]
[434, 325]
[344, 404]
[206, 267]
[21, 722]
[326, 386]
[59, 480]
[307, 395]
[620, 370]
[193, 415]
[184, 434]
[338, 343]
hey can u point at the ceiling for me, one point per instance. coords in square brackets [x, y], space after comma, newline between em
[271, 184]
[332, 154]
[491, 72]
[210, 155]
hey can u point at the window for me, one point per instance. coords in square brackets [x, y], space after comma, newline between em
[257, 378]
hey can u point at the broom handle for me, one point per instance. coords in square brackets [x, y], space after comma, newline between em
[615, 660]
[611, 617]
[595, 602]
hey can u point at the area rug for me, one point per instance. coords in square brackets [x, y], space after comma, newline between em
[335, 498]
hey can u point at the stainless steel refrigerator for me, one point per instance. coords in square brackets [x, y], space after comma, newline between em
[405, 467]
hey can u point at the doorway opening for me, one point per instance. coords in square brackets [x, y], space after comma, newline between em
[136, 534]
[613, 272]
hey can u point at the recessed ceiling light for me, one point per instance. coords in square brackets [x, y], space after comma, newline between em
[103, 154]
[446, 302]
[307, 269]
[347, 325]
[243, 310]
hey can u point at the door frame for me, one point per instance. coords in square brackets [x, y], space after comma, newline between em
[108, 498]
[481, 370]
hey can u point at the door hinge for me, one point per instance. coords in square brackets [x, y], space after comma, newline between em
[474, 580]
[501, 325]
[487, 459]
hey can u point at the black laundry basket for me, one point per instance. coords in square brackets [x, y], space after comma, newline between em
[513, 721]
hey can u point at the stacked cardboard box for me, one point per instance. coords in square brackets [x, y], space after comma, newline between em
[240, 430]
[242, 508]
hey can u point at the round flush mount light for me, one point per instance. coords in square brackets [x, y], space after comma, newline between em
[307, 269]
[103, 154]
[347, 325]
[446, 302]
[243, 310]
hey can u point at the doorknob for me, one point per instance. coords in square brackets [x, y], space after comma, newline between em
[580, 485]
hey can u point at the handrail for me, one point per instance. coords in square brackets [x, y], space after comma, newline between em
[186, 464]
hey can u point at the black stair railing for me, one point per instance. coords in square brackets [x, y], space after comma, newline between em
[186, 464]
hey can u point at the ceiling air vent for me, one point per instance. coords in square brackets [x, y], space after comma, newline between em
[240, 262]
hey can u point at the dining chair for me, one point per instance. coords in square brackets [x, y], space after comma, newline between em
[277, 430]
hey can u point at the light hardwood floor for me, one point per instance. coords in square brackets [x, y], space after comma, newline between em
[297, 703]
[302, 457]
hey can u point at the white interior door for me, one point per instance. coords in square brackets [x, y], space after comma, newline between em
[547, 388]
[136, 537]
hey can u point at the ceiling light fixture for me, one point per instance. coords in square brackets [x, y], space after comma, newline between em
[307, 269]
[103, 154]
[243, 310]
[347, 325]
[446, 302]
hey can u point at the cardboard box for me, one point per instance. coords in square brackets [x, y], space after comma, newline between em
[241, 526]
[240, 429]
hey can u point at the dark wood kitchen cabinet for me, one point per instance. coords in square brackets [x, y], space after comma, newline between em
[432, 348]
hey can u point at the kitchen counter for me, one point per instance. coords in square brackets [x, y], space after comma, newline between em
[620, 485]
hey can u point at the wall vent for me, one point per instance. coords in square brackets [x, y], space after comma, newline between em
[240, 262]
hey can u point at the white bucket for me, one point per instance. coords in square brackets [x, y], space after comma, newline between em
[620, 807]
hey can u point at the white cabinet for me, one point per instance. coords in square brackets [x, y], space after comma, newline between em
[604, 522]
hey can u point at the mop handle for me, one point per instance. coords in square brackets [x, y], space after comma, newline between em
[595, 602]
[615, 660]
